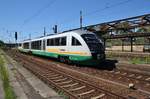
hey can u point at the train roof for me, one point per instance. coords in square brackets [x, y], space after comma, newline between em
[79, 31]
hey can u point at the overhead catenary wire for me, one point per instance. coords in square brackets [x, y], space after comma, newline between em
[38, 12]
[107, 7]
[84, 15]
[99, 10]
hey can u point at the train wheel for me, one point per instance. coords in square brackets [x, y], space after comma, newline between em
[68, 61]
[61, 59]
[30, 52]
[65, 59]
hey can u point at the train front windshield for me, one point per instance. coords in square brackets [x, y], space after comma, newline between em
[95, 45]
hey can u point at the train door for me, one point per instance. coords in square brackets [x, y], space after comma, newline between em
[44, 45]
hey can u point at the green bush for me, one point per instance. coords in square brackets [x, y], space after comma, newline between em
[1, 43]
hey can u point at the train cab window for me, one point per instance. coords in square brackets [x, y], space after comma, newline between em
[63, 41]
[93, 42]
[90, 38]
[75, 42]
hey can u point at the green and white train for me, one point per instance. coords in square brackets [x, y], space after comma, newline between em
[79, 46]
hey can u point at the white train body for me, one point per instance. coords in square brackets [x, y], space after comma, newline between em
[76, 46]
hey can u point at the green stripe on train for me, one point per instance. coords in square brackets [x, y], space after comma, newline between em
[55, 55]
[84, 60]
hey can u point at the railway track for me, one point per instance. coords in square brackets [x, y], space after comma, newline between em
[73, 87]
[140, 80]
[122, 76]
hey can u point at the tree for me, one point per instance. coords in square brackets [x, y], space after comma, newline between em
[123, 27]
[143, 29]
[1, 43]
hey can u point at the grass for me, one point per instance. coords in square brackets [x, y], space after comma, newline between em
[4, 75]
[61, 93]
[137, 60]
[134, 60]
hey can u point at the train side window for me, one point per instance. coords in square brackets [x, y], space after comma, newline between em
[75, 42]
[40, 45]
[50, 42]
[63, 41]
[32, 45]
[57, 41]
[36, 45]
[26, 45]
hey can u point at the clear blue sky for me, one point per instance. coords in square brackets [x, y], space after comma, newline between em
[30, 16]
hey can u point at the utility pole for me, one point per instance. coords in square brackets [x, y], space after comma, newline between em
[43, 47]
[9, 33]
[44, 31]
[30, 36]
[16, 37]
[55, 29]
[81, 19]
[30, 40]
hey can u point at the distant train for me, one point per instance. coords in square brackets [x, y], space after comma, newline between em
[79, 46]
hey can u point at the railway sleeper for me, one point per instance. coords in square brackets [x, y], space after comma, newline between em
[118, 72]
[131, 75]
[58, 80]
[99, 96]
[65, 82]
[87, 92]
[56, 77]
[147, 79]
[47, 74]
[139, 77]
[70, 85]
[78, 88]
[124, 74]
